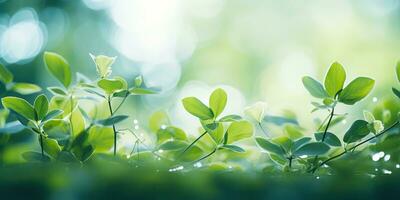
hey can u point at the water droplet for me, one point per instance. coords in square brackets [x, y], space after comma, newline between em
[386, 158]
[136, 127]
[317, 177]
[397, 166]
[385, 171]
[378, 156]
[375, 99]
[163, 127]
[198, 165]
[135, 121]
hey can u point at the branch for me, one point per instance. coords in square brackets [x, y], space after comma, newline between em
[357, 145]
[197, 139]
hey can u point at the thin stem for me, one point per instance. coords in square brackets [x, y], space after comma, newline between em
[41, 145]
[142, 142]
[326, 130]
[290, 161]
[114, 129]
[328, 124]
[191, 144]
[323, 122]
[122, 102]
[206, 156]
[70, 116]
[355, 146]
[263, 130]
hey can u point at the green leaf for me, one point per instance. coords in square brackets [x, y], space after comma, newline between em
[300, 142]
[52, 114]
[279, 121]
[330, 139]
[217, 101]
[356, 90]
[101, 138]
[396, 92]
[142, 91]
[58, 67]
[312, 149]
[285, 142]
[334, 79]
[138, 81]
[58, 129]
[314, 87]
[233, 148]
[113, 120]
[217, 133]
[192, 154]
[12, 127]
[358, 130]
[20, 106]
[238, 131]
[398, 70]
[376, 126]
[173, 145]
[32, 156]
[41, 106]
[110, 85]
[5, 75]
[121, 93]
[103, 64]
[83, 153]
[270, 146]
[195, 107]
[66, 157]
[57, 91]
[293, 131]
[51, 147]
[25, 88]
[230, 118]
[170, 132]
[368, 116]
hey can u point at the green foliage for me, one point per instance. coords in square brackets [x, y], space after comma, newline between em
[314, 87]
[398, 71]
[358, 130]
[195, 107]
[270, 146]
[112, 120]
[312, 149]
[103, 65]
[330, 139]
[20, 107]
[110, 85]
[217, 102]
[69, 132]
[334, 79]
[25, 88]
[356, 90]
[238, 131]
[41, 106]
[58, 67]
[5, 75]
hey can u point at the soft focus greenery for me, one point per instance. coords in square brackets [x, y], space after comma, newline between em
[204, 99]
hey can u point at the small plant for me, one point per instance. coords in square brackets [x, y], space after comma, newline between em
[311, 155]
[212, 125]
[7, 79]
[69, 132]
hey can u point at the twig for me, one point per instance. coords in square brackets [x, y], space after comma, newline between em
[191, 144]
[354, 147]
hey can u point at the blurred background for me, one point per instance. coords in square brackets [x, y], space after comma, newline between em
[256, 50]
